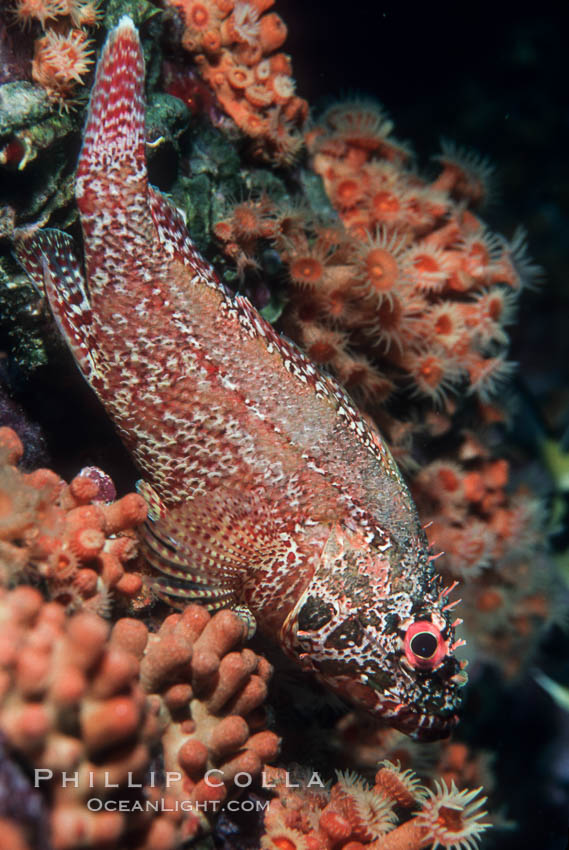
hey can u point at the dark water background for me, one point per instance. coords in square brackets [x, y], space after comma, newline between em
[492, 78]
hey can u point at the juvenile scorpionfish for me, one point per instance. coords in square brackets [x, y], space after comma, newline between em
[266, 487]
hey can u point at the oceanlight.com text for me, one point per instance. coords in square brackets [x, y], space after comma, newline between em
[96, 804]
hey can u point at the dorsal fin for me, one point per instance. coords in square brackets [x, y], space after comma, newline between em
[52, 265]
[175, 239]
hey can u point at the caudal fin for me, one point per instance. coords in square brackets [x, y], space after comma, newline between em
[53, 267]
[115, 123]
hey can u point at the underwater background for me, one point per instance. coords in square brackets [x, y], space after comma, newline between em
[490, 82]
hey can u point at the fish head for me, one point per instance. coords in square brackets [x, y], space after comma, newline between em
[373, 625]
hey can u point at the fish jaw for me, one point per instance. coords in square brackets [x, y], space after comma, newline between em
[351, 629]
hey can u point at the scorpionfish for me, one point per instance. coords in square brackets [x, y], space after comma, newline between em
[267, 489]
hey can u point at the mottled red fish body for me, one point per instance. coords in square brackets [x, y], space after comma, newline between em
[266, 486]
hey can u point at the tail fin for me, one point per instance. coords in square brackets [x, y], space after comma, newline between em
[52, 265]
[115, 123]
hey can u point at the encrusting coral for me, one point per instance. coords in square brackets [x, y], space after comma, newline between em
[208, 694]
[72, 536]
[71, 693]
[81, 700]
[71, 706]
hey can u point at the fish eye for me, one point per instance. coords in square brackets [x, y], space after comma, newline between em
[424, 645]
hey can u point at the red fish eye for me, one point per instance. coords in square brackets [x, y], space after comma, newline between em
[424, 645]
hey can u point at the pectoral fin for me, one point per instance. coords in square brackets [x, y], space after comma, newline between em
[207, 550]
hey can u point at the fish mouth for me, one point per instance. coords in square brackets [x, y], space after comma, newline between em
[417, 725]
[423, 727]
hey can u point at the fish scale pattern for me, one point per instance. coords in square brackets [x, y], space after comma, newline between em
[227, 419]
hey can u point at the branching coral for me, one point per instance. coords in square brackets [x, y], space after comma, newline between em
[208, 693]
[353, 815]
[71, 707]
[88, 711]
[234, 44]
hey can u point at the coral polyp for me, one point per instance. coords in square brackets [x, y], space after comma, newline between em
[234, 47]
[61, 61]
[378, 266]
[63, 53]
[398, 813]
[27, 11]
[453, 819]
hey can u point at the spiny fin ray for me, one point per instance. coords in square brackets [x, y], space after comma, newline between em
[178, 594]
[156, 507]
[174, 237]
[173, 557]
